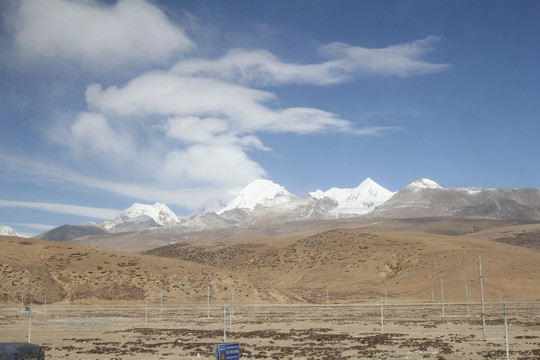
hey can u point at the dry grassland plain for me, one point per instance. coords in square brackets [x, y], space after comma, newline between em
[407, 331]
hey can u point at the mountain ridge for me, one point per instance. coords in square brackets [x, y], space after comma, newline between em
[255, 202]
[263, 204]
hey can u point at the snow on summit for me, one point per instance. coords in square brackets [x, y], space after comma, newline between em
[260, 192]
[7, 231]
[360, 200]
[423, 184]
[159, 212]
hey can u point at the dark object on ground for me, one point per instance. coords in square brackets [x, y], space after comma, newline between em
[21, 351]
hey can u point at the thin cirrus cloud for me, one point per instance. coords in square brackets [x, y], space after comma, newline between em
[40, 227]
[347, 62]
[97, 34]
[189, 197]
[86, 211]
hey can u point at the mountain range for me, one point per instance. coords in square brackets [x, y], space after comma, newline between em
[263, 203]
[260, 202]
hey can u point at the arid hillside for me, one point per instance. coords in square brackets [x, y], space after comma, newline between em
[356, 265]
[398, 261]
[78, 274]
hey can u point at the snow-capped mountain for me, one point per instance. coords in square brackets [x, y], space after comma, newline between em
[259, 194]
[157, 214]
[7, 231]
[423, 184]
[209, 206]
[264, 204]
[298, 209]
[360, 200]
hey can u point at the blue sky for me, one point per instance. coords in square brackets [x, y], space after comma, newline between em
[106, 103]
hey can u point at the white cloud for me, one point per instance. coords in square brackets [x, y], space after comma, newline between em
[187, 196]
[210, 132]
[160, 93]
[191, 129]
[86, 211]
[252, 142]
[306, 120]
[95, 33]
[41, 227]
[244, 109]
[397, 60]
[254, 68]
[374, 130]
[347, 62]
[91, 133]
[210, 124]
[216, 164]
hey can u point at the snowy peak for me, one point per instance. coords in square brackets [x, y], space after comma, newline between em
[369, 190]
[423, 184]
[160, 213]
[259, 193]
[7, 231]
[360, 200]
[209, 206]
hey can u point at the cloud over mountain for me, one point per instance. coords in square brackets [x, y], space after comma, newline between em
[173, 123]
[211, 112]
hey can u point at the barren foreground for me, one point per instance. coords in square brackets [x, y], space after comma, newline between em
[409, 331]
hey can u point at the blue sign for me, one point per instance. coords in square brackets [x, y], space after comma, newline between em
[230, 351]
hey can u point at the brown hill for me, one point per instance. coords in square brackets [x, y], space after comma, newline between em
[524, 235]
[405, 259]
[355, 265]
[83, 274]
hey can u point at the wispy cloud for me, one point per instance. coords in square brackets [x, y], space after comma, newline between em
[86, 211]
[347, 62]
[187, 196]
[375, 130]
[40, 227]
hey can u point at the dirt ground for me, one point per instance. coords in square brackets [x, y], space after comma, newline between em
[409, 331]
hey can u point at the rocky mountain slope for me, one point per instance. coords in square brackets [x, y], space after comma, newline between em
[425, 198]
[70, 232]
